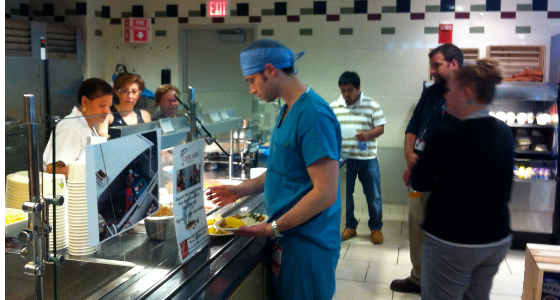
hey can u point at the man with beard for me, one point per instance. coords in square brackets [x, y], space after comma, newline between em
[429, 116]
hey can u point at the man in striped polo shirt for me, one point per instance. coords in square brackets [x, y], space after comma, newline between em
[359, 113]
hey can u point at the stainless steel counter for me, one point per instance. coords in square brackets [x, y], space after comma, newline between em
[131, 266]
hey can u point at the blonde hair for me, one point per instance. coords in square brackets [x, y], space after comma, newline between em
[125, 79]
[163, 89]
[482, 77]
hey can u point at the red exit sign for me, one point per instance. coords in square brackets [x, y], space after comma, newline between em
[218, 9]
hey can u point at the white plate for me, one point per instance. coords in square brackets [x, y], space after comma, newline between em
[217, 226]
[228, 233]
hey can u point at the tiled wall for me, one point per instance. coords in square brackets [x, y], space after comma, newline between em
[385, 41]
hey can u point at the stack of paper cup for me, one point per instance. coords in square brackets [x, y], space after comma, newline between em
[78, 235]
[61, 224]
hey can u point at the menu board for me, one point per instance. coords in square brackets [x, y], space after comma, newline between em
[188, 199]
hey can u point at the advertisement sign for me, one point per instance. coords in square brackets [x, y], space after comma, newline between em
[137, 30]
[445, 34]
[188, 199]
[123, 178]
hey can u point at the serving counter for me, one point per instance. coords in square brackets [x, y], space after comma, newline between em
[132, 266]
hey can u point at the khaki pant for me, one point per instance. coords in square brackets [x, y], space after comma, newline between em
[416, 208]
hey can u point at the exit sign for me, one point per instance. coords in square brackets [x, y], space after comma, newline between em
[218, 9]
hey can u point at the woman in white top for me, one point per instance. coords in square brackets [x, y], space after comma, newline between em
[95, 98]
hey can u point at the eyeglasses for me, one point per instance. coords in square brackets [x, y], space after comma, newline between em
[126, 92]
[171, 101]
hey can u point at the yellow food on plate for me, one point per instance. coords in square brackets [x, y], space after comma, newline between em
[213, 230]
[231, 222]
[12, 218]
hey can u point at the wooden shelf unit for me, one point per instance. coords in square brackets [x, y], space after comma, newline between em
[516, 59]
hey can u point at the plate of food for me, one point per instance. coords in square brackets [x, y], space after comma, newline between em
[217, 232]
[233, 223]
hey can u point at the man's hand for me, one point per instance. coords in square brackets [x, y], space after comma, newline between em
[406, 176]
[222, 194]
[411, 160]
[263, 229]
[362, 136]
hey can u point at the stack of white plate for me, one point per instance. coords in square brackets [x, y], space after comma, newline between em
[61, 224]
[78, 235]
[17, 189]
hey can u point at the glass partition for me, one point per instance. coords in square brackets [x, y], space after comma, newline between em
[128, 183]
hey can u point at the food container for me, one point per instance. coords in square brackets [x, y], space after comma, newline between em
[160, 228]
[13, 229]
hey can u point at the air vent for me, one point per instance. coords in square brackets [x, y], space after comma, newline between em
[18, 38]
[61, 41]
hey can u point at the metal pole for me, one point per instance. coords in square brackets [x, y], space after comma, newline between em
[230, 157]
[37, 269]
[192, 114]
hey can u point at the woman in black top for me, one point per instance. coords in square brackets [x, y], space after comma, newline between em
[127, 90]
[469, 170]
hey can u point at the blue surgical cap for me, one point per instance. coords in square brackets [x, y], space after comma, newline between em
[262, 52]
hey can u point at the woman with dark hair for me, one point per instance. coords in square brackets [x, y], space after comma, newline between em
[127, 90]
[469, 170]
[94, 98]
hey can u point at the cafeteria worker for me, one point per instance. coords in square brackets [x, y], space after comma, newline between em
[94, 99]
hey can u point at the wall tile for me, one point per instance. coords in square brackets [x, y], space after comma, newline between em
[106, 12]
[432, 8]
[493, 5]
[417, 16]
[388, 30]
[292, 18]
[476, 30]
[48, 9]
[523, 29]
[554, 14]
[524, 7]
[160, 33]
[431, 30]
[447, 5]
[81, 8]
[478, 7]
[403, 6]
[346, 10]
[23, 9]
[540, 5]
[319, 7]
[280, 8]
[306, 11]
[267, 32]
[508, 15]
[374, 17]
[388, 9]
[360, 7]
[242, 9]
[462, 15]
[346, 31]
[333, 18]
[172, 10]
[306, 31]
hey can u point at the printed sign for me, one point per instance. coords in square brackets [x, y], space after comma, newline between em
[188, 199]
[137, 30]
[218, 9]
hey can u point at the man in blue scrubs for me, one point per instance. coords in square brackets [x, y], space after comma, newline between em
[301, 186]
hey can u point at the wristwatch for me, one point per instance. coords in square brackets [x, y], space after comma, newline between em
[275, 232]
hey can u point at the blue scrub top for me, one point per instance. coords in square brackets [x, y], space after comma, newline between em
[310, 131]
